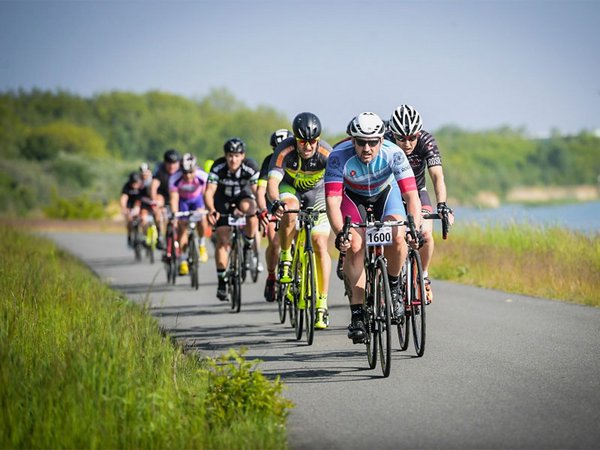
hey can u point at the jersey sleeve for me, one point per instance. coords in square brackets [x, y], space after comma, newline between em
[264, 171]
[334, 174]
[402, 170]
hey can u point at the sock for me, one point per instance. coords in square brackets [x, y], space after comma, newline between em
[202, 241]
[271, 276]
[357, 311]
[286, 255]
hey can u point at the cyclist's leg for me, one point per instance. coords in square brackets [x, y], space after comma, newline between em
[426, 251]
[287, 230]
[247, 204]
[223, 244]
[271, 259]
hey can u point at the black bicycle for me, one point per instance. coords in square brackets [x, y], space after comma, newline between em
[413, 291]
[193, 256]
[171, 252]
[377, 302]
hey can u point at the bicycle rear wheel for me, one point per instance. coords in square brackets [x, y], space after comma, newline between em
[383, 321]
[404, 319]
[310, 295]
[417, 302]
[137, 243]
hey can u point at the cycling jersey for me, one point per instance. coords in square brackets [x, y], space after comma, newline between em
[264, 176]
[134, 195]
[426, 154]
[162, 176]
[378, 184]
[302, 174]
[190, 192]
[345, 169]
[232, 184]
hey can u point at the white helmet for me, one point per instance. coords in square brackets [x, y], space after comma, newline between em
[188, 162]
[405, 121]
[366, 125]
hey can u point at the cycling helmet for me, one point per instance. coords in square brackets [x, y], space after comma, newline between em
[405, 121]
[135, 177]
[367, 125]
[171, 155]
[280, 135]
[144, 167]
[306, 126]
[349, 127]
[234, 145]
[188, 162]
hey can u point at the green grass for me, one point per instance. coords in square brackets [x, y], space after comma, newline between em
[81, 367]
[544, 262]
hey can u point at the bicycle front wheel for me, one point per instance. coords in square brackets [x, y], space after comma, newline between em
[234, 279]
[417, 302]
[299, 304]
[383, 320]
[254, 263]
[369, 320]
[404, 319]
[281, 303]
[310, 295]
[194, 261]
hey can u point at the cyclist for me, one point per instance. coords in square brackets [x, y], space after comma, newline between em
[232, 180]
[264, 206]
[130, 202]
[421, 149]
[187, 189]
[159, 190]
[296, 176]
[368, 170]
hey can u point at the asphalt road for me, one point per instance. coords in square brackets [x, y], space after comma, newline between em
[500, 371]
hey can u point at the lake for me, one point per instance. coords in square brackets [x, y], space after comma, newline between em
[576, 216]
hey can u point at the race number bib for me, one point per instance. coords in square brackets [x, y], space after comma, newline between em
[378, 236]
[236, 221]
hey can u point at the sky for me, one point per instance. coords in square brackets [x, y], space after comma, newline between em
[478, 65]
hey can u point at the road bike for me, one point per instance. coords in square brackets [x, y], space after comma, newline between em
[412, 291]
[236, 266]
[300, 295]
[193, 255]
[377, 301]
[171, 252]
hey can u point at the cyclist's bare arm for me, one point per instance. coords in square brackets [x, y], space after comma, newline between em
[334, 213]
[273, 189]
[123, 203]
[209, 202]
[413, 205]
[154, 189]
[174, 201]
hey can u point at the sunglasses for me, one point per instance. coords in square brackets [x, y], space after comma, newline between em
[307, 141]
[362, 142]
[410, 138]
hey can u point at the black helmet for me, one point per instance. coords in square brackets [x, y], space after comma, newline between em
[135, 177]
[280, 135]
[306, 126]
[171, 155]
[234, 145]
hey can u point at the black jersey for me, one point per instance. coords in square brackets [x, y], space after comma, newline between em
[133, 194]
[162, 176]
[264, 169]
[426, 154]
[231, 184]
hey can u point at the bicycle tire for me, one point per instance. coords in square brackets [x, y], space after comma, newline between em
[403, 325]
[194, 261]
[137, 243]
[310, 295]
[383, 328]
[281, 303]
[254, 264]
[369, 320]
[233, 277]
[417, 303]
[295, 287]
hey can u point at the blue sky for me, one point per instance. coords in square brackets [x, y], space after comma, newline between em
[475, 64]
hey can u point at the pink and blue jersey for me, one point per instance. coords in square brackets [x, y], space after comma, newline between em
[345, 169]
[190, 191]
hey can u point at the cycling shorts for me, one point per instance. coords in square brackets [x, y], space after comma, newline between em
[313, 198]
[191, 204]
[386, 203]
[223, 205]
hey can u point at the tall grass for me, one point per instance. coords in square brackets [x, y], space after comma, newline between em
[526, 259]
[81, 367]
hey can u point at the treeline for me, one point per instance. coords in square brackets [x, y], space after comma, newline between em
[57, 147]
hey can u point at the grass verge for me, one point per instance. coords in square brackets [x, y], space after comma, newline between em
[543, 262]
[81, 367]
